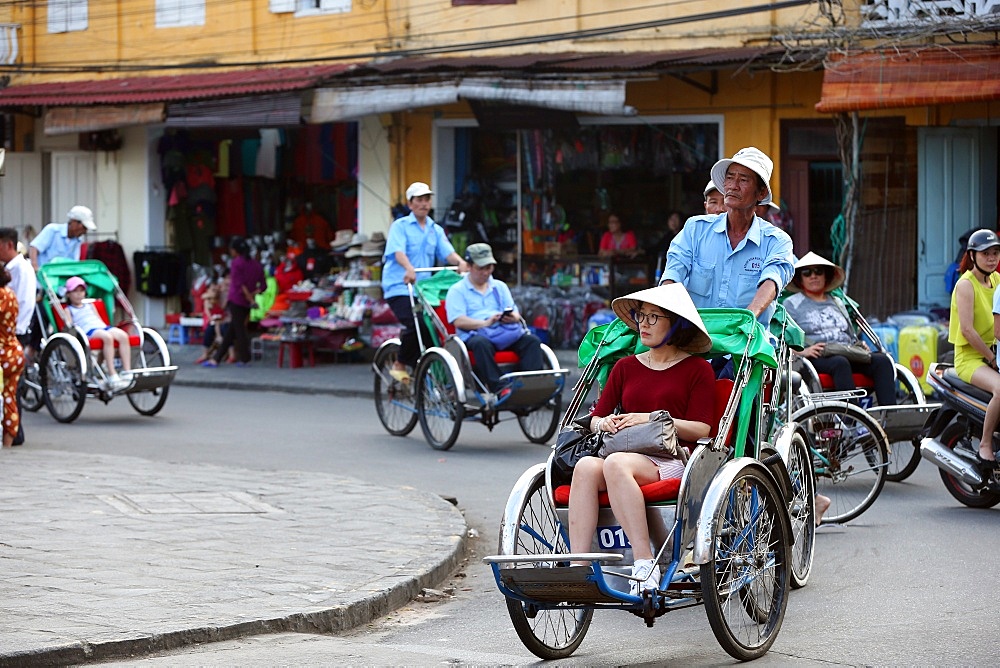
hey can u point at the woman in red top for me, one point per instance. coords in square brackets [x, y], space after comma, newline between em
[665, 377]
[615, 241]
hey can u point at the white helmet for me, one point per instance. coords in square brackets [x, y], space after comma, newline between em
[84, 215]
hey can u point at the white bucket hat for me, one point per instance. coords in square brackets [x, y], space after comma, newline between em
[84, 215]
[751, 158]
[710, 187]
[811, 259]
[672, 297]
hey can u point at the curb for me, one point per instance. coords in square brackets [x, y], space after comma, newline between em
[330, 620]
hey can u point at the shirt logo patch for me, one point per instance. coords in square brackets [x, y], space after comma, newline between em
[753, 265]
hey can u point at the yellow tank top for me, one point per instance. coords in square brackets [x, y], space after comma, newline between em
[966, 357]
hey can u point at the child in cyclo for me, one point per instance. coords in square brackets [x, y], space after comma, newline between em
[86, 317]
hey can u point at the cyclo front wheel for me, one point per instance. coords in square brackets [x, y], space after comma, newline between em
[746, 583]
[904, 455]
[393, 399]
[149, 402]
[552, 633]
[849, 456]
[63, 385]
[801, 510]
[438, 407]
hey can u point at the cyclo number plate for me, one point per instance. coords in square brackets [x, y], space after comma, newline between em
[612, 538]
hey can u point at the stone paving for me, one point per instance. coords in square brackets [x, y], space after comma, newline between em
[110, 556]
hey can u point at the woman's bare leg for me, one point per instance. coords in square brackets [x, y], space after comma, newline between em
[588, 483]
[986, 378]
[625, 472]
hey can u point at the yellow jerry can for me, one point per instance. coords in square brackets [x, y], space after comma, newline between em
[918, 349]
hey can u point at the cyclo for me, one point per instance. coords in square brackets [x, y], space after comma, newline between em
[730, 510]
[444, 391]
[67, 370]
[902, 423]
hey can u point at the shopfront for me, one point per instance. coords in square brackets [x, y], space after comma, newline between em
[542, 196]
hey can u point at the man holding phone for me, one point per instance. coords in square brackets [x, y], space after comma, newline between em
[484, 314]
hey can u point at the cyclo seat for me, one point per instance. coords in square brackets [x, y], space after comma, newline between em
[102, 311]
[663, 490]
[501, 356]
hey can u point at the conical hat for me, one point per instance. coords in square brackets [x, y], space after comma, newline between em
[672, 297]
[811, 259]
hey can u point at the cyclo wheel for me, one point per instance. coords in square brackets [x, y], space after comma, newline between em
[63, 386]
[746, 583]
[958, 436]
[393, 399]
[849, 456]
[552, 633]
[904, 455]
[801, 510]
[438, 407]
[541, 423]
[29, 388]
[151, 401]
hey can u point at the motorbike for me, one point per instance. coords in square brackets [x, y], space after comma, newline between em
[950, 438]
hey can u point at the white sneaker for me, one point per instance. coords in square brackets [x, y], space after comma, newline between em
[649, 571]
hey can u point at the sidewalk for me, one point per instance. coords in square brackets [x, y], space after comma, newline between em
[344, 378]
[110, 556]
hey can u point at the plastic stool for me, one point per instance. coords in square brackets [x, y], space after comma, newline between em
[256, 349]
[176, 334]
[295, 347]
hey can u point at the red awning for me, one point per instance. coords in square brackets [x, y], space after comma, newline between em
[174, 88]
[893, 79]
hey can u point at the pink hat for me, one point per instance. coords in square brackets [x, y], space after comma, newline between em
[74, 282]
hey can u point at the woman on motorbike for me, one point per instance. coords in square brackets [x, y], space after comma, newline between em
[665, 377]
[971, 328]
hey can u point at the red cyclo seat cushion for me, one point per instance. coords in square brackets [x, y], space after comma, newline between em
[95, 343]
[860, 380]
[662, 490]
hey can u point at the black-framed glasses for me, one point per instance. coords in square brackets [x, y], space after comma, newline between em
[812, 271]
[650, 318]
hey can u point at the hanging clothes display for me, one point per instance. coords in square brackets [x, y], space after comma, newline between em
[112, 255]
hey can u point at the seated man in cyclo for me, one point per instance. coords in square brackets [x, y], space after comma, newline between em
[86, 317]
[485, 317]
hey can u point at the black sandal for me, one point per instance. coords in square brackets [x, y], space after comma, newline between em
[986, 466]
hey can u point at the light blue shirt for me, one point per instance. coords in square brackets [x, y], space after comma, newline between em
[53, 241]
[718, 276]
[464, 299]
[427, 247]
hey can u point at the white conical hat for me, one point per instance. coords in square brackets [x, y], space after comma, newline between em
[671, 297]
[811, 259]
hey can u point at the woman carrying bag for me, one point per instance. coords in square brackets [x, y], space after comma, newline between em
[667, 377]
[834, 348]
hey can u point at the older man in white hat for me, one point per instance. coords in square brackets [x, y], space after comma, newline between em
[62, 239]
[415, 241]
[734, 259]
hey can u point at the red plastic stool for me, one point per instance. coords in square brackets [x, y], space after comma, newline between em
[295, 347]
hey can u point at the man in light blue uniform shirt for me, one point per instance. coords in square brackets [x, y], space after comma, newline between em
[62, 239]
[734, 259]
[478, 305]
[415, 241]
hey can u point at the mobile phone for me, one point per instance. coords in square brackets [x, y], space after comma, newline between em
[508, 311]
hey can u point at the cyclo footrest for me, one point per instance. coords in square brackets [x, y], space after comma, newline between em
[555, 585]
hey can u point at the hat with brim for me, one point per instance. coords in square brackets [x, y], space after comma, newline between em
[372, 249]
[811, 259]
[711, 187]
[83, 215]
[357, 241]
[751, 158]
[341, 240]
[672, 297]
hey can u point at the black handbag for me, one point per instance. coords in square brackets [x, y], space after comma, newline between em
[572, 445]
[856, 354]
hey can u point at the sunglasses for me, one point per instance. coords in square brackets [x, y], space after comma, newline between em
[812, 271]
[650, 318]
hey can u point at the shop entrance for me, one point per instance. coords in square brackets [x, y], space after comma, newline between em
[542, 197]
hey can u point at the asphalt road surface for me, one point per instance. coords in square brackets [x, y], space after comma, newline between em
[913, 581]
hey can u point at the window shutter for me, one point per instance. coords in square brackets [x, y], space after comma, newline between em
[281, 6]
[58, 11]
[335, 5]
[77, 19]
